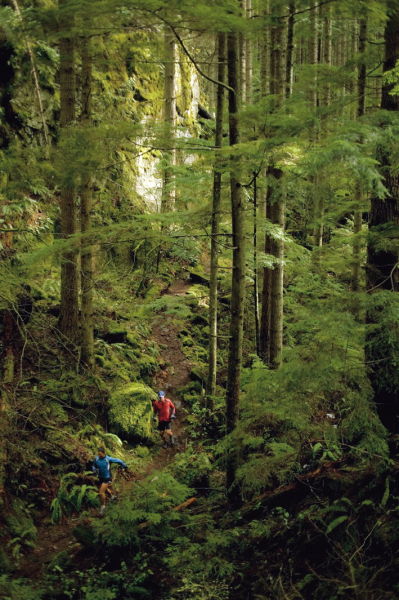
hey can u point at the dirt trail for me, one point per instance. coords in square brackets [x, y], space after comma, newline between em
[174, 374]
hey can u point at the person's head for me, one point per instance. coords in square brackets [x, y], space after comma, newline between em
[101, 452]
[161, 395]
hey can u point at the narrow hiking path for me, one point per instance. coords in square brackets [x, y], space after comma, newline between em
[52, 539]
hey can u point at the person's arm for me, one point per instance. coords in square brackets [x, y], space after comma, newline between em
[118, 461]
[155, 407]
[172, 409]
[94, 467]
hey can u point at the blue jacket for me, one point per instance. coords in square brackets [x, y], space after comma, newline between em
[103, 466]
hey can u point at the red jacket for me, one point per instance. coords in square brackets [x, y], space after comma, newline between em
[164, 409]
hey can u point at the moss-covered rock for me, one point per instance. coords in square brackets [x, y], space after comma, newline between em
[130, 411]
[148, 365]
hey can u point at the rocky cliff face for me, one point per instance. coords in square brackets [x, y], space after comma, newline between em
[148, 182]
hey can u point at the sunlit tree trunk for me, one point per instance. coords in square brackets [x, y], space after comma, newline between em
[248, 56]
[216, 196]
[86, 202]
[255, 263]
[289, 63]
[265, 88]
[69, 309]
[264, 335]
[238, 272]
[382, 347]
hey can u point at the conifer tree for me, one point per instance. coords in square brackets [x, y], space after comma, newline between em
[361, 109]
[382, 259]
[216, 197]
[271, 331]
[86, 202]
[238, 263]
[69, 309]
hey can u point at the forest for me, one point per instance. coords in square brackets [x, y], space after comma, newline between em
[199, 199]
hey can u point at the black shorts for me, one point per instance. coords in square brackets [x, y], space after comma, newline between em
[163, 425]
[102, 480]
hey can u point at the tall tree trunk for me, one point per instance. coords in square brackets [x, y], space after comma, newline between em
[265, 80]
[255, 267]
[86, 202]
[265, 317]
[216, 196]
[314, 51]
[168, 188]
[319, 191]
[69, 310]
[361, 109]
[382, 348]
[289, 63]
[8, 327]
[238, 272]
[248, 57]
[272, 297]
[264, 58]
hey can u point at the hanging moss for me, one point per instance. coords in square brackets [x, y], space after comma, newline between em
[130, 411]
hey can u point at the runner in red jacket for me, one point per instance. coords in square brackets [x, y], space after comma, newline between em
[165, 411]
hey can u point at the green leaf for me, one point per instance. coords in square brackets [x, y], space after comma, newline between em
[386, 494]
[336, 522]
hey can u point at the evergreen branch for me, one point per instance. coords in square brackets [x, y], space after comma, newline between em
[191, 58]
[305, 10]
[298, 12]
[390, 277]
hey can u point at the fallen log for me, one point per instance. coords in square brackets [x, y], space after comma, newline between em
[179, 507]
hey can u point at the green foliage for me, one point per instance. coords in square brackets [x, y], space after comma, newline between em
[130, 411]
[149, 504]
[23, 532]
[196, 587]
[18, 589]
[382, 339]
[169, 305]
[192, 466]
[99, 582]
[72, 497]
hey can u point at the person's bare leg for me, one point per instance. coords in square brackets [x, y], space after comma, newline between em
[102, 493]
[169, 433]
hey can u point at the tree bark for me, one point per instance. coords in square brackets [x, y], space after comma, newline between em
[86, 203]
[289, 63]
[255, 267]
[216, 196]
[238, 271]
[382, 348]
[265, 318]
[69, 309]
[265, 57]
[271, 329]
[277, 275]
[248, 56]
[361, 109]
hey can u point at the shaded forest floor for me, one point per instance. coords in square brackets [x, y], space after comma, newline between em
[52, 539]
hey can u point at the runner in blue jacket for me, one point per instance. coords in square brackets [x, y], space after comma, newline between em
[102, 466]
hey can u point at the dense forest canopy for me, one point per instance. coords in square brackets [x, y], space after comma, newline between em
[201, 198]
